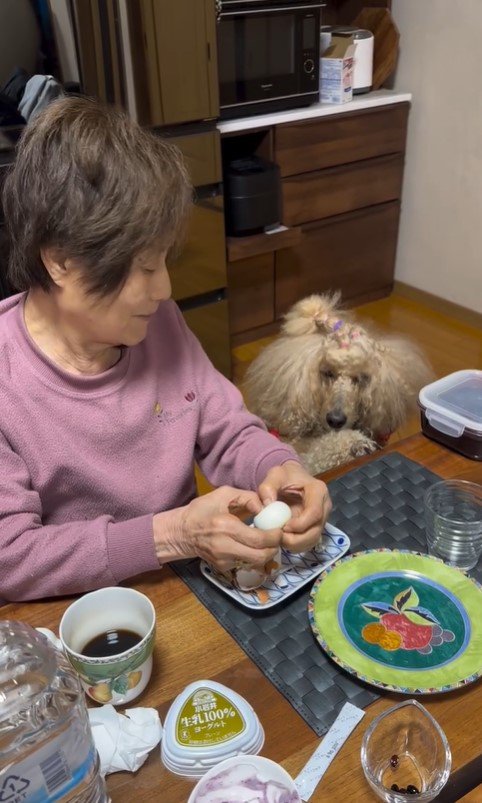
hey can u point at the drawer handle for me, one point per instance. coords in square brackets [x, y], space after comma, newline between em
[269, 10]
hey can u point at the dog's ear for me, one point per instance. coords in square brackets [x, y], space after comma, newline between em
[282, 384]
[400, 371]
[312, 315]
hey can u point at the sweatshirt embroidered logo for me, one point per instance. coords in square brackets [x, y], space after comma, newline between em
[171, 416]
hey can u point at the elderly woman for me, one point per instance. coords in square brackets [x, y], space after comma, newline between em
[107, 399]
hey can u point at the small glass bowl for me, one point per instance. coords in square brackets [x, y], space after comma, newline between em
[407, 747]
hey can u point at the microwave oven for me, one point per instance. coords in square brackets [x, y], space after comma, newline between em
[268, 55]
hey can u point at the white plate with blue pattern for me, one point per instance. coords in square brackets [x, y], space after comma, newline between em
[297, 569]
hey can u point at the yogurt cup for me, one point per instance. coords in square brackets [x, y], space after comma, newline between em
[206, 724]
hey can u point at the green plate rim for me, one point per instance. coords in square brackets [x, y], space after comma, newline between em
[350, 669]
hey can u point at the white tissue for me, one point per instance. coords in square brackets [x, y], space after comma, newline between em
[123, 742]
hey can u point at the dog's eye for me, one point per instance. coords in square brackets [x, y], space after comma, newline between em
[362, 379]
[328, 374]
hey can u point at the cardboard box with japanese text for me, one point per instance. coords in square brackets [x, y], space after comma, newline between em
[336, 70]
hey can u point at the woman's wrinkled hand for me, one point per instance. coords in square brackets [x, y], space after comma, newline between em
[210, 528]
[309, 501]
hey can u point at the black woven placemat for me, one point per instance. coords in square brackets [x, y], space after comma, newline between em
[377, 505]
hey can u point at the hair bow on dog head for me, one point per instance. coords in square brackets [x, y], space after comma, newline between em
[327, 324]
[343, 333]
[348, 336]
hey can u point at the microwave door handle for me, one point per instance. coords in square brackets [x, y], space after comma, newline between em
[270, 10]
[240, 2]
[313, 4]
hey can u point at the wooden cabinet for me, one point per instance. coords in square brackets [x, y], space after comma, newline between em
[6, 159]
[157, 58]
[200, 266]
[251, 293]
[325, 193]
[210, 324]
[342, 184]
[348, 207]
[5, 289]
[354, 253]
[305, 146]
[202, 152]
[343, 12]
[180, 61]
[198, 271]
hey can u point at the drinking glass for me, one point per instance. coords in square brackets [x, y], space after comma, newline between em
[405, 747]
[453, 517]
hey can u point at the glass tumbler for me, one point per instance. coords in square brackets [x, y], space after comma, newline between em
[453, 518]
[405, 755]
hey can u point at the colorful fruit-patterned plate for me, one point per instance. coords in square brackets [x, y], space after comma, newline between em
[400, 620]
[297, 569]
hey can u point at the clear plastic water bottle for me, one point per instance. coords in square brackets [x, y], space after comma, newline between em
[46, 748]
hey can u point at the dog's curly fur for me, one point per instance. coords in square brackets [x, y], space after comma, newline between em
[330, 387]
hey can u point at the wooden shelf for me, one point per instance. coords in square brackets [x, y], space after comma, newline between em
[256, 244]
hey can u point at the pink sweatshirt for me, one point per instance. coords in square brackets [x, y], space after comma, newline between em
[85, 461]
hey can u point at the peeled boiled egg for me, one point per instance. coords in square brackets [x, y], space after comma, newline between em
[272, 516]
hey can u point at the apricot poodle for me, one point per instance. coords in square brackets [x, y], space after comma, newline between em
[330, 387]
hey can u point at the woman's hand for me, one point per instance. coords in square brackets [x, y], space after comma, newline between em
[209, 527]
[309, 501]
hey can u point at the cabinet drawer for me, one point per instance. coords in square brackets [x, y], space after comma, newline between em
[313, 196]
[251, 292]
[354, 253]
[306, 146]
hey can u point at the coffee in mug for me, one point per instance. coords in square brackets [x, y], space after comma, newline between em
[111, 643]
[108, 636]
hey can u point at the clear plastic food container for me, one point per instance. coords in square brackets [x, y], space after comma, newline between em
[451, 411]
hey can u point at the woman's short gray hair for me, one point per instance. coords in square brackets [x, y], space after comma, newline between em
[92, 183]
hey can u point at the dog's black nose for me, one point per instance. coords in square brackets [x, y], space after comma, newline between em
[336, 419]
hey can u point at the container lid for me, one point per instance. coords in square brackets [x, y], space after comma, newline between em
[348, 30]
[206, 724]
[454, 403]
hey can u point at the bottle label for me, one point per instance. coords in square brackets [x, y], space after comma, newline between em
[208, 718]
[47, 774]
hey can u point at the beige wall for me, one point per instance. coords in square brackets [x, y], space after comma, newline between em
[440, 243]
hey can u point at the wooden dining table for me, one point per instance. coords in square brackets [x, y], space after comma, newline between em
[191, 645]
